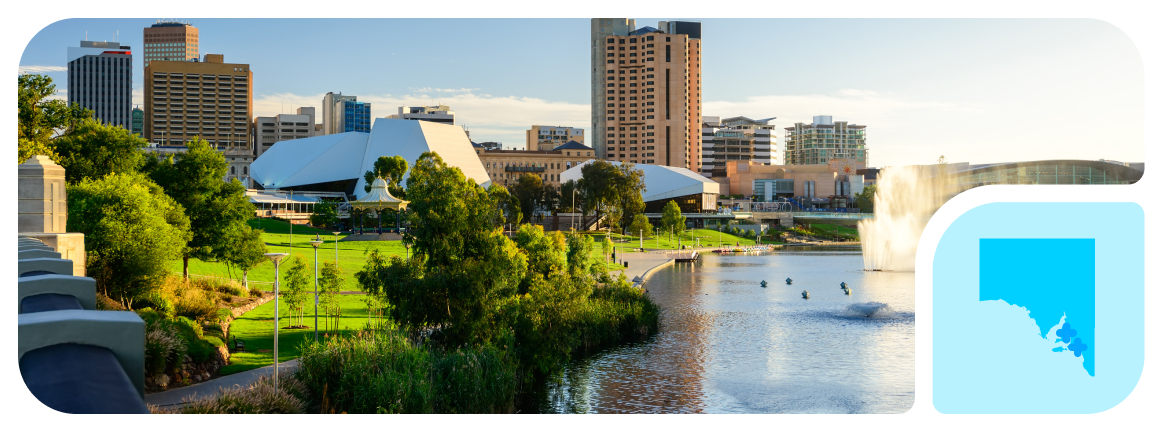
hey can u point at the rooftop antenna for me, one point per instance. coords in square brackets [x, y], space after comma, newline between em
[86, 35]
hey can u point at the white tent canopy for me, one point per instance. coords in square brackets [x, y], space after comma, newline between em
[662, 182]
[348, 156]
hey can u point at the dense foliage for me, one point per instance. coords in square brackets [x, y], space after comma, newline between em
[132, 230]
[672, 219]
[41, 120]
[93, 150]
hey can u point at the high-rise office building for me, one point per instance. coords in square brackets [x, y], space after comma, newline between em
[545, 138]
[210, 99]
[345, 114]
[170, 41]
[270, 130]
[646, 92]
[436, 114]
[736, 138]
[100, 78]
[822, 141]
[138, 121]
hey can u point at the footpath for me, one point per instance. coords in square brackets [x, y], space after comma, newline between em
[211, 387]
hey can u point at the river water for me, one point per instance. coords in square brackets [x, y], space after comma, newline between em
[726, 345]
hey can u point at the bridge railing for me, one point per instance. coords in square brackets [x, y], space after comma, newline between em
[832, 215]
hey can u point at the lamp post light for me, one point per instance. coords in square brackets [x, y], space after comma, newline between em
[336, 246]
[290, 220]
[573, 206]
[275, 258]
[315, 244]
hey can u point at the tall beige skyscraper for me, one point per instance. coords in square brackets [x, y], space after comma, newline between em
[170, 40]
[646, 92]
[210, 99]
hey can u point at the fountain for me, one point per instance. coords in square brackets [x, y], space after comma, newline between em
[906, 197]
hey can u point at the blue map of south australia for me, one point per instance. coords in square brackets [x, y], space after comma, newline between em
[1050, 278]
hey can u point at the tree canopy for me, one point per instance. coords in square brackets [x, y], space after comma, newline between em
[528, 191]
[40, 119]
[672, 219]
[640, 226]
[132, 230]
[93, 150]
[215, 207]
[865, 198]
[392, 170]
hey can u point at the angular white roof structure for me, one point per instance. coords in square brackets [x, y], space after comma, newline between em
[662, 182]
[347, 156]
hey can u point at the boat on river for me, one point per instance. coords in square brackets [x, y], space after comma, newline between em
[763, 284]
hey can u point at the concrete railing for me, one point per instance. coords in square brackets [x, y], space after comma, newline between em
[73, 358]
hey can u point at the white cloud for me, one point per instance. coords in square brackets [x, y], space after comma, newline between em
[443, 90]
[36, 69]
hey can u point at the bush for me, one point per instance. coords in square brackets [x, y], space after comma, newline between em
[382, 371]
[106, 303]
[165, 350]
[196, 304]
[260, 397]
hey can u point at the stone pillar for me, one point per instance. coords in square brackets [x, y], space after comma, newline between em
[42, 209]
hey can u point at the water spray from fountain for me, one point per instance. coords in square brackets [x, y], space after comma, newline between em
[906, 197]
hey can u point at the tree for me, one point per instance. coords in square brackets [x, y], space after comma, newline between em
[508, 206]
[579, 256]
[568, 197]
[545, 253]
[641, 226]
[132, 230]
[247, 251]
[528, 191]
[551, 198]
[672, 219]
[463, 267]
[93, 150]
[330, 283]
[294, 291]
[628, 186]
[214, 207]
[39, 119]
[325, 214]
[597, 185]
[866, 198]
[392, 170]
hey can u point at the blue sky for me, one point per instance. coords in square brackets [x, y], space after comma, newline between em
[972, 90]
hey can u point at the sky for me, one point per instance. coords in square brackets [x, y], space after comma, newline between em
[972, 90]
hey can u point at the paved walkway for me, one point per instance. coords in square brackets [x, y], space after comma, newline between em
[208, 388]
[640, 263]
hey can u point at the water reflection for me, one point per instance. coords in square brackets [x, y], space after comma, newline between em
[726, 345]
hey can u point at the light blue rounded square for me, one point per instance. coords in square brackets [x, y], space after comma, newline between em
[991, 355]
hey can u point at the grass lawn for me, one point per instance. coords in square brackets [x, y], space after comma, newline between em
[707, 238]
[351, 254]
[255, 329]
[834, 228]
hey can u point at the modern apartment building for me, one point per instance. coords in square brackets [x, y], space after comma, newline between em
[824, 140]
[170, 41]
[345, 114]
[210, 99]
[436, 114]
[138, 121]
[100, 78]
[269, 130]
[646, 92]
[734, 139]
[506, 166]
[547, 137]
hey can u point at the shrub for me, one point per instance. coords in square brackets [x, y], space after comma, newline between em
[106, 303]
[196, 304]
[382, 371]
[158, 301]
[164, 348]
[260, 397]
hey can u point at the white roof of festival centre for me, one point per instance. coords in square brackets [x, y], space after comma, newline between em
[347, 156]
[662, 182]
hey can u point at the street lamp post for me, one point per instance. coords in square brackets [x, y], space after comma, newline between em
[290, 220]
[573, 206]
[336, 246]
[276, 257]
[315, 244]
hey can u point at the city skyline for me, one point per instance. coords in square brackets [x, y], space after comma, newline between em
[971, 90]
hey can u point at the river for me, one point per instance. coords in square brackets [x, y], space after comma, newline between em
[727, 345]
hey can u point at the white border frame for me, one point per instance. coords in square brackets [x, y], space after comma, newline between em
[922, 415]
